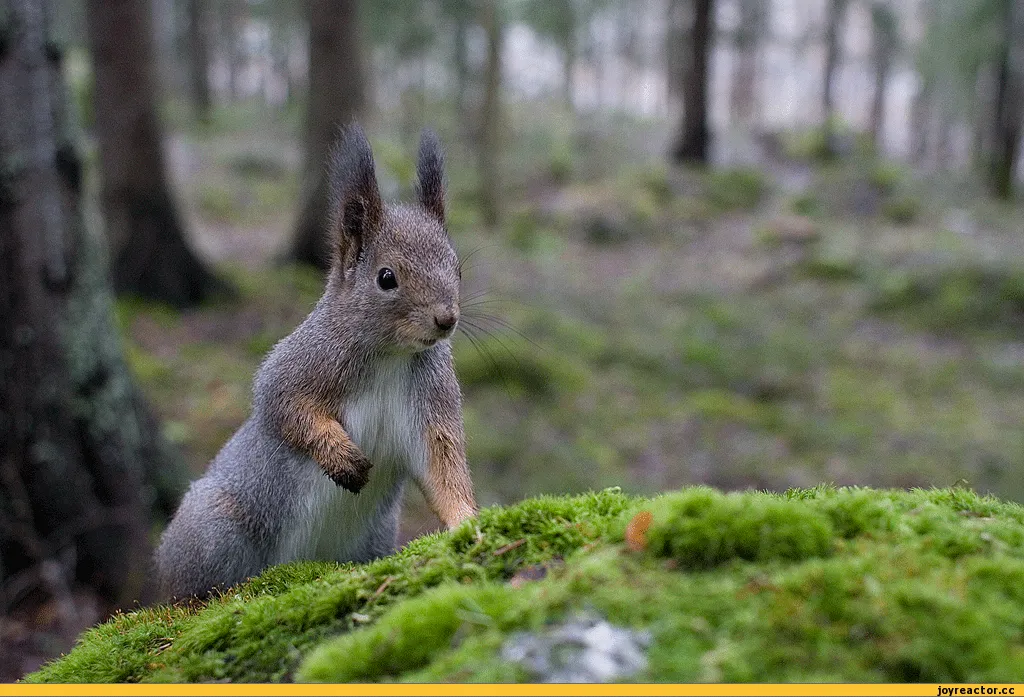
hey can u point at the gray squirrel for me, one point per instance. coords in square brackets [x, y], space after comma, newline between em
[358, 399]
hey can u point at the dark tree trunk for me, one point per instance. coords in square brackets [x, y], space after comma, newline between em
[83, 469]
[199, 58]
[1009, 105]
[833, 37]
[692, 145]
[490, 116]
[337, 95]
[151, 256]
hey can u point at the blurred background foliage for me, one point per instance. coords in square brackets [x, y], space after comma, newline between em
[750, 243]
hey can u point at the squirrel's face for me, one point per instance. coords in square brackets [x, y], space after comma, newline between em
[395, 264]
[411, 278]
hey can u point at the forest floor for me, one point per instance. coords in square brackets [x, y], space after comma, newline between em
[781, 326]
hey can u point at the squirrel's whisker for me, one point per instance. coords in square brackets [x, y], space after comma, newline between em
[497, 339]
[505, 325]
[486, 354]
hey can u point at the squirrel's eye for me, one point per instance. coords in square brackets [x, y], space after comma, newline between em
[386, 279]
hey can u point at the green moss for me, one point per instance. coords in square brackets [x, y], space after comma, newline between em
[703, 528]
[901, 209]
[736, 189]
[806, 204]
[819, 584]
[219, 203]
[960, 299]
[888, 177]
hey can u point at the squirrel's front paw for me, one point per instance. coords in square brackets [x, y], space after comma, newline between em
[350, 470]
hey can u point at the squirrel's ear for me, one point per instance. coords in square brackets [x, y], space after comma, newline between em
[358, 209]
[430, 172]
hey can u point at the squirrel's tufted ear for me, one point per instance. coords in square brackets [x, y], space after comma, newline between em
[430, 172]
[357, 209]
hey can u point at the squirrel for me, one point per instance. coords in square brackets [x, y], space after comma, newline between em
[358, 399]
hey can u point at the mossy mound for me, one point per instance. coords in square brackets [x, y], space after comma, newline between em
[820, 584]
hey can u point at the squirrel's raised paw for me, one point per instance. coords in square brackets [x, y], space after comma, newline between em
[353, 474]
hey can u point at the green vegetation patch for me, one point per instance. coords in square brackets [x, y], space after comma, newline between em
[960, 299]
[823, 584]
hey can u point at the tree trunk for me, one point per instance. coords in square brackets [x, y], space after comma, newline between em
[232, 20]
[692, 143]
[151, 256]
[461, 64]
[1009, 105]
[490, 116]
[677, 38]
[833, 37]
[568, 67]
[82, 466]
[878, 104]
[743, 95]
[337, 95]
[885, 36]
[920, 123]
[199, 58]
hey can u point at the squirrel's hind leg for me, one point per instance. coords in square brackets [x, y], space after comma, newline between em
[205, 548]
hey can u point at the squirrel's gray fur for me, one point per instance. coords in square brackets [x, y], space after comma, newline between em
[359, 398]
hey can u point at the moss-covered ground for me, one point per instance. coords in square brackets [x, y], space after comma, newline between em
[823, 584]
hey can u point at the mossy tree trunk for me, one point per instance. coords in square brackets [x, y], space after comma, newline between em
[692, 143]
[337, 95]
[489, 147]
[83, 469]
[199, 58]
[151, 256]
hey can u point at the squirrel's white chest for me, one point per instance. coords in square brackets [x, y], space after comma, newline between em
[381, 417]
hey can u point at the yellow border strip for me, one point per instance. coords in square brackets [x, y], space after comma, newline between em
[655, 690]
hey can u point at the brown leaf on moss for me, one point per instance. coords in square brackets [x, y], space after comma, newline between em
[636, 531]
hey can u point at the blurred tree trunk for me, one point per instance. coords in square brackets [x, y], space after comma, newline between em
[885, 42]
[337, 95]
[677, 38]
[833, 39]
[461, 56]
[692, 142]
[83, 469]
[984, 100]
[232, 21]
[920, 123]
[491, 115]
[1009, 104]
[151, 256]
[199, 58]
[569, 60]
[749, 34]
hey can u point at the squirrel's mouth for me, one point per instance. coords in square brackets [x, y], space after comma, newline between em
[426, 343]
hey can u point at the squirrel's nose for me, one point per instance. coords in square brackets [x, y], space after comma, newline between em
[445, 320]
